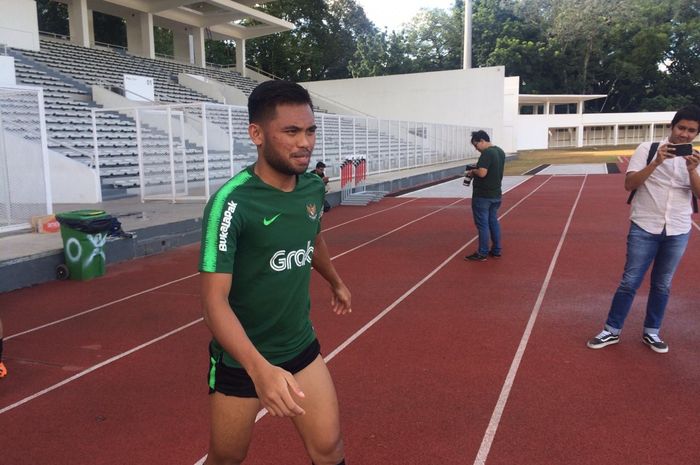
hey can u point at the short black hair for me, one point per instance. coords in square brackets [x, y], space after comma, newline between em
[690, 113]
[263, 101]
[479, 136]
[320, 164]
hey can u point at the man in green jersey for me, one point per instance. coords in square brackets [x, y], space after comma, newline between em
[261, 237]
[486, 198]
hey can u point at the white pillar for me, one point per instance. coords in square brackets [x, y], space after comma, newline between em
[181, 45]
[139, 35]
[240, 56]
[91, 28]
[579, 136]
[78, 22]
[19, 26]
[467, 52]
[200, 58]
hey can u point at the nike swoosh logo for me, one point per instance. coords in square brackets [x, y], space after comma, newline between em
[267, 222]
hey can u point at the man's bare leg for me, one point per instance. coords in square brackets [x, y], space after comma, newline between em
[320, 426]
[232, 421]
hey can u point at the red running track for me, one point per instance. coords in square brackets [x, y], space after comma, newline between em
[442, 361]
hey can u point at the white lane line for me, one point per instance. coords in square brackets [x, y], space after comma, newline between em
[516, 185]
[397, 229]
[393, 305]
[99, 307]
[199, 320]
[696, 226]
[124, 354]
[368, 215]
[98, 366]
[490, 434]
[384, 312]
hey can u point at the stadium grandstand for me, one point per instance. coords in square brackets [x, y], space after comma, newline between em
[113, 127]
[110, 127]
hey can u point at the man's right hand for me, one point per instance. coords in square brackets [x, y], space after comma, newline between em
[663, 154]
[275, 387]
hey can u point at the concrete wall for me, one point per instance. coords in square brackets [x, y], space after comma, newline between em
[19, 27]
[7, 71]
[25, 166]
[213, 89]
[473, 97]
[72, 181]
[511, 93]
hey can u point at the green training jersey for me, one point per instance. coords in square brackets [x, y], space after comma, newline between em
[493, 159]
[265, 239]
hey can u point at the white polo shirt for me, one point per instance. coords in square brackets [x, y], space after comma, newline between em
[665, 197]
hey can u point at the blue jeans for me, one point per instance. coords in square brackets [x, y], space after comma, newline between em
[485, 211]
[643, 248]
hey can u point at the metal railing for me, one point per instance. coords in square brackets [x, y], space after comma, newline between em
[264, 73]
[185, 151]
[53, 35]
[25, 188]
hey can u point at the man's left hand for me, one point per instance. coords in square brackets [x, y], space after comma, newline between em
[340, 303]
[692, 161]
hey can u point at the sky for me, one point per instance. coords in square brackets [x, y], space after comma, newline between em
[393, 13]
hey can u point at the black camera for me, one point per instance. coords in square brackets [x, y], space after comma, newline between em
[467, 177]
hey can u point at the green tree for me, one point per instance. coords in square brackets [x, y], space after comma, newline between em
[52, 17]
[109, 29]
[643, 54]
[163, 41]
[433, 40]
[371, 56]
[320, 46]
[220, 52]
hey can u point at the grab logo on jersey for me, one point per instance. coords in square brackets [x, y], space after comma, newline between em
[283, 260]
[225, 225]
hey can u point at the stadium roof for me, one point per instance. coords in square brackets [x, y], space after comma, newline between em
[224, 18]
[531, 99]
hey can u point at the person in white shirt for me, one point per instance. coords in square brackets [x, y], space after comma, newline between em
[660, 226]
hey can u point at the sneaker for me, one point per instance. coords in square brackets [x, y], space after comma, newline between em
[494, 254]
[605, 338]
[476, 257]
[655, 343]
[3, 370]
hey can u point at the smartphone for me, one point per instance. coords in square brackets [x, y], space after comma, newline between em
[682, 150]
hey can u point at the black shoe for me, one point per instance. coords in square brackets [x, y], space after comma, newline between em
[476, 257]
[605, 338]
[655, 343]
[494, 254]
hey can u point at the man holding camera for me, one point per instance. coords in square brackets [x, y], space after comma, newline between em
[664, 176]
[486, 197]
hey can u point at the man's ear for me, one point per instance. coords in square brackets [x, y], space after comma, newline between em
[255, 131]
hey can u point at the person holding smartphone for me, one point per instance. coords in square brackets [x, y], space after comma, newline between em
[660, 223]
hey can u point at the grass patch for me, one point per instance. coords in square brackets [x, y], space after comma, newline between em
[529, 159]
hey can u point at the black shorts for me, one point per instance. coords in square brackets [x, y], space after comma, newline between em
[232, 381]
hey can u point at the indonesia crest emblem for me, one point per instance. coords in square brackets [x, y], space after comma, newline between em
[311, 211]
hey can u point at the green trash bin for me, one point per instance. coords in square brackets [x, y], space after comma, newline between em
[84, 234]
